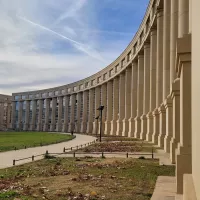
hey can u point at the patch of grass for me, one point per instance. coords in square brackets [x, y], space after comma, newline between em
[66, 178]
[8, 195]
[20, 140]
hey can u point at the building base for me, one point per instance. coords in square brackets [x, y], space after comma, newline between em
[131, 127]
[107, 127]
[125, 128]
[119, 127]
[149, 127]
[83, 127]
[113, 130]
[162, 113]
[137, 127]
[183, 166]
[143, 127]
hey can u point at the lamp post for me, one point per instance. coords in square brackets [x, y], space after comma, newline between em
[97, 118]
[100, 110]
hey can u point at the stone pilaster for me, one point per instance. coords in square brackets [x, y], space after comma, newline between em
[72, 114]
[146, 91]
[53, 114]
[169, 124]
[159, 77]
[134, 75]
[13, 119]
[183, 18]
[183, 153]
[39, 125]
[91, 111]
[140, 88]
[175, 95]
[115, 110]
[47, 107]
[121, 104]
[104, 103]
[159, 60]
[27, 113]
[97, 104]
[66, 114]
[78, 124]
[109, 107]
[173, 38]
[85, 112]
[153, 60]
[33, 121]
[60, 111]
[166, 49]
[20, 114]
[127, 101]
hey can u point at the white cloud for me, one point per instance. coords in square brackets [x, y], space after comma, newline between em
[52, 43]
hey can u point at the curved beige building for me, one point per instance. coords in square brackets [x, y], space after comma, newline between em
[146, 91]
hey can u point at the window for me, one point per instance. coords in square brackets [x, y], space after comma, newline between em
[16, 97]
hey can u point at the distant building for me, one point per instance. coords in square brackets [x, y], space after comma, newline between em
[5, 111]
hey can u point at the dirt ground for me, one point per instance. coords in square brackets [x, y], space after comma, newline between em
[82, 179]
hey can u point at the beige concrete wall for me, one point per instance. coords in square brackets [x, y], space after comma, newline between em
[196, 96]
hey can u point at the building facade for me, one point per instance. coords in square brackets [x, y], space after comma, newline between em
[5, 112]
[148, 92]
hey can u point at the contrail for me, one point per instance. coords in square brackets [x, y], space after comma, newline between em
[83, 49]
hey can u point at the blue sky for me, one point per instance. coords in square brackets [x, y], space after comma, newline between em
[54, 42]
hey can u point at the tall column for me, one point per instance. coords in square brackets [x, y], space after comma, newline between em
[13, 120]
[173, 39]
[134, 75]
[27, 115]
[159, 60]
[78, 123]
[47, 107]
[20, 114]
[109, 107]
[33, 122]
[115, 110]
[39, 125]
[183, 154]
[104, 103]
[72, 114]
[140, 87]
[85, 109]
[153, 53]
[127, 101]
[66, 114]
[97, 104]
[175, 95]
[146, 92]
[53, 114]
[8, 122]
[60, 110]
[159, 77]
[183, 18]
[91, 111]
[166, 49]
[121, 103]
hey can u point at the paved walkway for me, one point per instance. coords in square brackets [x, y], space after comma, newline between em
[6, 158]
[165, 189]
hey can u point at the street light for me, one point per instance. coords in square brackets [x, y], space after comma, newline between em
[97, 118]
[100, 110]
